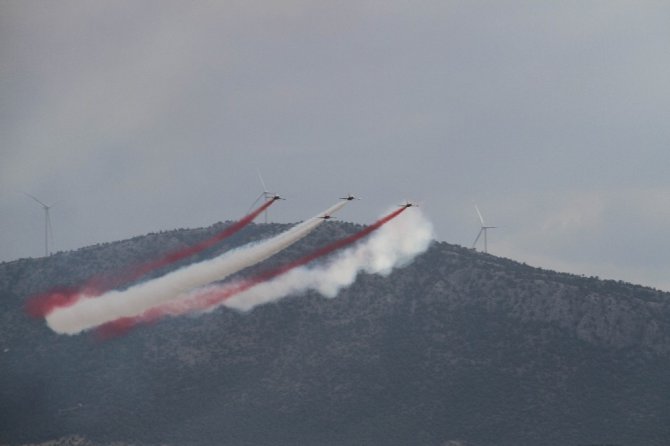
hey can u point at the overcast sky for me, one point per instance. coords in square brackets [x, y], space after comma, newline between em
[139, 116]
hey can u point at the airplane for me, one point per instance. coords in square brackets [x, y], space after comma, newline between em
[274, 197]
[327, 217]
[408, 204]
[349, 198]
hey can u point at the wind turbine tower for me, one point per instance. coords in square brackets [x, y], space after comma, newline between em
[48, 230]
[483, 230]
[266, 194]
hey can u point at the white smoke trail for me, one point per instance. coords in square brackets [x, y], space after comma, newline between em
[393, 245]
[90, 312]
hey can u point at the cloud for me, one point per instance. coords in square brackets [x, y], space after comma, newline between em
[578, 214]
[613, 234]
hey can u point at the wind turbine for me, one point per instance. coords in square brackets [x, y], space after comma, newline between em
[483, 229]
[266, 194]
[48, 230]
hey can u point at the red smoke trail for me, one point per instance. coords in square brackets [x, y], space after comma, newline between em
[43, 304]
[175, 256]
[204, 301]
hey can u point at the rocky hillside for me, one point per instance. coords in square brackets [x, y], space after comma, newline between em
[458, 348]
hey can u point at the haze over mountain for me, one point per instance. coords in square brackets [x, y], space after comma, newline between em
[551, 116]
[457, 348]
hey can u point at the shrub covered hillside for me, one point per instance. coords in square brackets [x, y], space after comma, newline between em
[457, 348]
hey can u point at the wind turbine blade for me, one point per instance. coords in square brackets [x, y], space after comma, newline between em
[477, 239]
[260, 177]
[480, 216]
[262, 195]
[35, 198]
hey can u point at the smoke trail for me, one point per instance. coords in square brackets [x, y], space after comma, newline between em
[175, 256]
[91, 312]
[393, 246]
[42, 305]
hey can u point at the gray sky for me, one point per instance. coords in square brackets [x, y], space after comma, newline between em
[141, 116]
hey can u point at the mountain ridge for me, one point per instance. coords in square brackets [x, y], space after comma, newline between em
[458, 346]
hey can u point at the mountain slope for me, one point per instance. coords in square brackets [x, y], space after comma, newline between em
[458, 346]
